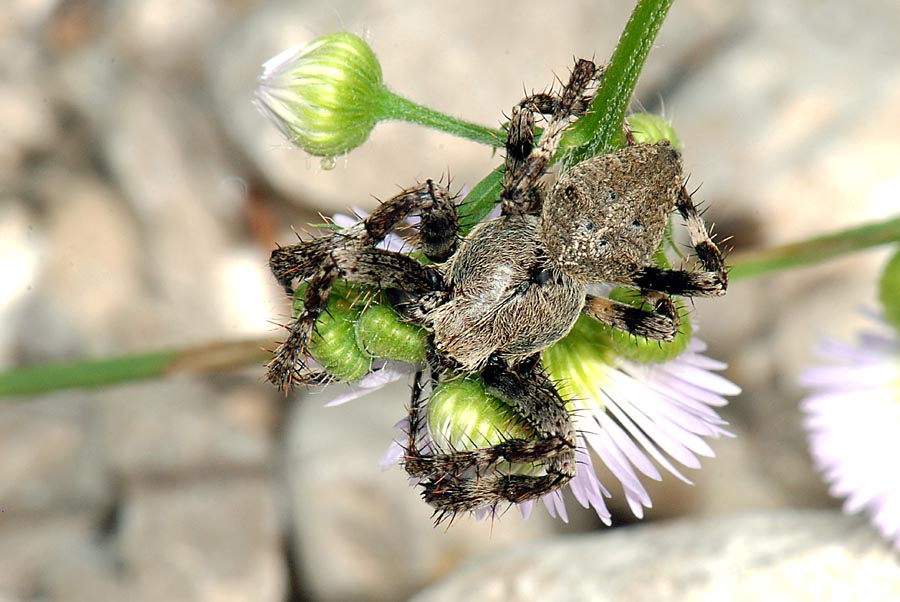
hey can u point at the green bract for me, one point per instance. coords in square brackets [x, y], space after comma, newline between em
[333, 345]
[356, 329]
[323, 95]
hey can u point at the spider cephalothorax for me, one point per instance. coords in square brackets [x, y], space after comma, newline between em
[494, 300]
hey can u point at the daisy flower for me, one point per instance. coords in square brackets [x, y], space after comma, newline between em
[852, 418]
[642, 407]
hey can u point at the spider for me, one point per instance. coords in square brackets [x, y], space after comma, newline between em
[492, 301]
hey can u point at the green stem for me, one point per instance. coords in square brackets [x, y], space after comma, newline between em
[393, 106]
[754, 263]
[86, 374]
[601, 128]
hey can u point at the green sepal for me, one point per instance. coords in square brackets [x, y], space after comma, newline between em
[333, 345]
[889, 290]
[381, 333]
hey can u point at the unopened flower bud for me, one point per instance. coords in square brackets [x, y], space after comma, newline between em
[650, 129]
[323, 95]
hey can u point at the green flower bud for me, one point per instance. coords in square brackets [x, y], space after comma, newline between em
[889, 291]
[650, 129]
[323, 95]
[381, 333]
[461, 415]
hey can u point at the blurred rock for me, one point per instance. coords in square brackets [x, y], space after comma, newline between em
[90, 285]
[84, 571]
[210, 539]
[30, 544]
[798, 556]
[48, 459]
[21, 250]
[181, 426]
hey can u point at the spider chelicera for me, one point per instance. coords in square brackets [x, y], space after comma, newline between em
[492, 301]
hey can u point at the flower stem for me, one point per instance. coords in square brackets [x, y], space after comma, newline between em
[392, 106]
[600, 129]
[754, 263]
[86, 374]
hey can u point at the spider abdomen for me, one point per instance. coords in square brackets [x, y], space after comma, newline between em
[606, 216]
[505, 298]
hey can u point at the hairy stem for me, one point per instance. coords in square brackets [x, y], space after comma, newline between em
[392, 106]
[600, 129]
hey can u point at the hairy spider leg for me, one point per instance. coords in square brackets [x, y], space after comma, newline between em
[526, 163]
[660, 324]
[351, 254]
[465, 480]
[711, 282]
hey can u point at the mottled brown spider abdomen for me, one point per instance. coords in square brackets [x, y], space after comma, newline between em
[606, 216]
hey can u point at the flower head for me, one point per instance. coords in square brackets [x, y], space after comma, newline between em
[852, 418]
[634, 415]
[323, 95]
[637, 404]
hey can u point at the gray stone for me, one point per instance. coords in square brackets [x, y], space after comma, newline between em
[88, 295]
[207, 539]
[795, 555]
[183, 425]
[20, 258]
[31, 543]
[84, 571]
[48, 460]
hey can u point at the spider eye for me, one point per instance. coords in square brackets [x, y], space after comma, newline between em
[637, 223]
[613, 195]
[587, 226]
